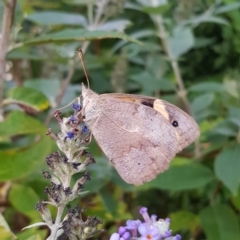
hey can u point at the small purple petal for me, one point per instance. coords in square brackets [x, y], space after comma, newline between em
[70, 135]
[178, 237]
[143, 210]
[142, 228]
[84, 129]
[130, 224]
[145, 215]
[115, 236]
[167, 234]
[122, 230]
[167, 220]
[154, 217]
[72, 119]
[76, 107]
[126, 236]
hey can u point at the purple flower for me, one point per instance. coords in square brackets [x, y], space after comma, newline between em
[148, 233]
[122, 230]
[77, 107]
[151, 229]
[177, 237]
[145, 215]
[115, 236]
[70, 135]
[84, 129]
[167, 234]
[72, 119]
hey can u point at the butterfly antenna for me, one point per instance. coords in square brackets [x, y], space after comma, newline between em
[80, 54]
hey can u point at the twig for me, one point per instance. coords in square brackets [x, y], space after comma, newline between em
[6, 27]
[62, 92]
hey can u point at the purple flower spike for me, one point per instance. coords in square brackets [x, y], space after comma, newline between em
[122, 230]
[145, 215]
[115, 236]
[77, 107]
[70, 135]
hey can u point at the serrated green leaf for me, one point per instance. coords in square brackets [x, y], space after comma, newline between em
[54, 18]
[19, 123]
[183, 220]
[28, 98]
[227, 168]
[181, 177]
[24, 199]
[219, 222]
[18, 163]
[69, 35]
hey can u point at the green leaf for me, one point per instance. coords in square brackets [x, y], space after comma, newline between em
[54, 18]
[69, 35]
[28, 98]
[109, 202]
[183, 220]
[236, 200]
[19, 163]
[207, 87]
[227, 8]
[231, 87]
[5, 231]
[24, 199]
[207, 18]
[227, 168]
[49, 87]
[159, 10]
[201, 102]
[79, 2]
[35, 237]
[226, 128]
[234, 115]
[219, 222]
[19, 123]
[181, 41]
[181, 177]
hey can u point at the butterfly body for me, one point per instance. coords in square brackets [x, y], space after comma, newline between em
[140, 135]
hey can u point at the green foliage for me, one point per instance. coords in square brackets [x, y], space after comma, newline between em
[126, 49]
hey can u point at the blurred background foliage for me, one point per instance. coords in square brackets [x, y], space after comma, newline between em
[183, 51]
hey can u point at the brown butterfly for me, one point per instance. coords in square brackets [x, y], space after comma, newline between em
[140, 135]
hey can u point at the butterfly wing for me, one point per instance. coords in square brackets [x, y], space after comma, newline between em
[138, 140]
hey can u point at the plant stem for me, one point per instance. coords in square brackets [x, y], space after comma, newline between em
[56, 225]
[7, 20]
